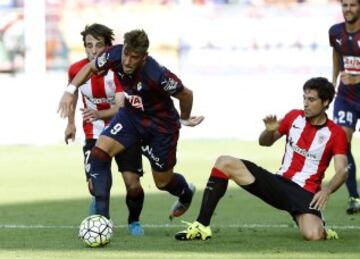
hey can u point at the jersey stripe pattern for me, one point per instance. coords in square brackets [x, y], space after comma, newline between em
[309, 149]
[98, 93]
[347, 45]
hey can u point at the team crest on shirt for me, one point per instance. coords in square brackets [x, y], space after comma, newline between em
[110, 83]
[102, 59]
[169, 85]
[139, 86]
[321, 139]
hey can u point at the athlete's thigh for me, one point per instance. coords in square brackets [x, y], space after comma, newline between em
[266, 186]
[345, 114]
[121, 130]
[160, 149]
[130, 160]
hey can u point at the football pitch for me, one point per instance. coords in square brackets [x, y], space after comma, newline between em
[43, 199]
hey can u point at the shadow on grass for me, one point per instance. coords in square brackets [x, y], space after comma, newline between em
[237, 208]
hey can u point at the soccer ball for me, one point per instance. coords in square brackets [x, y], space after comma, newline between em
[95, 231]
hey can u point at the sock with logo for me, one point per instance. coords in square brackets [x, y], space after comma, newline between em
[179, 187]
[214, 191]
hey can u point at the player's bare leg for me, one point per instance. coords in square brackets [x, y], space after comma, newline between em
[312, 228]
[109, 145]
[176, 185]
[234, 169]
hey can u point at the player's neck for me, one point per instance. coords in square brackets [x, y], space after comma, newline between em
[352, 27]
[318, 120]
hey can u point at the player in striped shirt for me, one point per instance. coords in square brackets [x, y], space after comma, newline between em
[311, 141]
[101, 99]
[345, 41]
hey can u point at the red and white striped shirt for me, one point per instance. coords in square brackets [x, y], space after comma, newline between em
[309, 149]
[98, 93]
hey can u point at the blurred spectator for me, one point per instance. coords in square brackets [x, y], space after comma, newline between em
[12, 42]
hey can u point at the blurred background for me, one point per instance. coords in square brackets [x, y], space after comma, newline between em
[243, 59]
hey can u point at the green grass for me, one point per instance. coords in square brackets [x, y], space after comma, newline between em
[45, 186]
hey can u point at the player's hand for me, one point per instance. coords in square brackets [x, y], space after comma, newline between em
[70, 132]
[89, 115]
[192, 121]
[271, 123]
[320, 199]
[66, 105]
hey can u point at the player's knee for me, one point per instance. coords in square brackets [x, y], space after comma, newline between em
[313, 234]
[99, 154]
[132, 181]
[163, 179]
[135, 191]
[225, 164]
[132, 186]
[161, 184]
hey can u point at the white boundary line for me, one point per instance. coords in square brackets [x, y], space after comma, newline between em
[14, 226]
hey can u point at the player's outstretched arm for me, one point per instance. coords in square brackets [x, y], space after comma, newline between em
[91, 115]
[336, 66]
[321, 197]
[185, 98]
[70, 130]
[271, 133]
[66, 101]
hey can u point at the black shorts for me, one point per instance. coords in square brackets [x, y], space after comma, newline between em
[279, 192]
[128, 161]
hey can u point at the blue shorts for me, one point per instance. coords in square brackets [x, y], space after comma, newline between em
[345, 114]
[159, 148]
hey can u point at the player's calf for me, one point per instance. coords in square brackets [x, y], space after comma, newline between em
[99, 172]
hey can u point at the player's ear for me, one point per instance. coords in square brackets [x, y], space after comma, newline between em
[145, 57]
[326, 103]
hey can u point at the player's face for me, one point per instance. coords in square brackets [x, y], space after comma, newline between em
[351, 10]
[131, 60]
[93, 46]
[313, 105]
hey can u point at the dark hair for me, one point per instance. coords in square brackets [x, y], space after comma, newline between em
[98, 30]
[325, 89]
[137, 41]
[357, 1]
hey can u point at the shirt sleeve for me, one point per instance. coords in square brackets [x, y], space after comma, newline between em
[108, 59]
[170, 83]
[71, 73]
[340, 143]
[285, 123]
[331, 38]
[118, 86]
